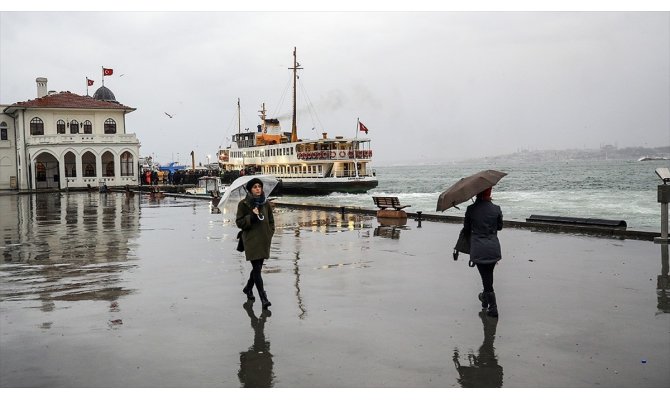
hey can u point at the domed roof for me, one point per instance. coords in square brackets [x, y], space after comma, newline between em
[104, 94]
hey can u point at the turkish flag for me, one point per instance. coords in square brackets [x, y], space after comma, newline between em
[107, 71]
[362, 127]
[89, 82]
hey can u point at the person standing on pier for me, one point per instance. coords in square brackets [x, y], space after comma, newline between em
[484, 219]
[254, 217]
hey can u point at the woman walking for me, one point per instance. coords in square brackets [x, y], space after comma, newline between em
[255, 219]
[484, 219]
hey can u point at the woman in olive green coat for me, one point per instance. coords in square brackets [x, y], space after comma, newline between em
[255, 219]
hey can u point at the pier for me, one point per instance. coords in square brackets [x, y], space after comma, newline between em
[155, 301]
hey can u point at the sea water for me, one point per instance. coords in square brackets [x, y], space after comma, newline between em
[606, 189]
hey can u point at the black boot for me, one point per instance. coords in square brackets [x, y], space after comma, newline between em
[482, 298]
[248, 290]
[264, 299]
[493, 307]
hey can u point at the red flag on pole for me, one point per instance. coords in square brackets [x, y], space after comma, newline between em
[362, 127]
[89, 82]
[107, 71]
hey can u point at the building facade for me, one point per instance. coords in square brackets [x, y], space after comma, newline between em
[64, 140]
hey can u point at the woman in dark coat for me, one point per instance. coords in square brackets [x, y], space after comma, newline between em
[484, 219]
[255, 219]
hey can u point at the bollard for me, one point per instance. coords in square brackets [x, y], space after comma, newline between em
[418, 218]
[663, 198]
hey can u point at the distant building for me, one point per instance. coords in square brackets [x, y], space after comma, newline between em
[65, 140]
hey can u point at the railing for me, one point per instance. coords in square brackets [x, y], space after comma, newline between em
[127, 138]
[94, 181]
[341, 174]
[334, 154]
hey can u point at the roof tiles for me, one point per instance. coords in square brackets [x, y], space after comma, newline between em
[70, 100]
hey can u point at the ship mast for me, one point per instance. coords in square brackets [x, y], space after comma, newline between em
[264, 128]
[296, 67]
[239, 120]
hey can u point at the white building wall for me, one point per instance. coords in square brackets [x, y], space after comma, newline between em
[8, 173]
[32, 147]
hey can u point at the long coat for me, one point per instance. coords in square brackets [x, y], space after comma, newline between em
[256, 234]
[484, 219]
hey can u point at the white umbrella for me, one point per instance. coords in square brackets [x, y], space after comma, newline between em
[237, 190]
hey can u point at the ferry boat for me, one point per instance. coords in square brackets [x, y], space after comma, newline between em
[304, 166]
[653, 158]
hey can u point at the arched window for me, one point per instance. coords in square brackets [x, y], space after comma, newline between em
[36, 126]
[88, 162]
[127, 164]
[3, 130]
[70, 165]
[108, 164]
[88, 127]
[74, 126]
[110, 126]
[60, 126]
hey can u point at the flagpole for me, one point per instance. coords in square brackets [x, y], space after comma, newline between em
[103, 75]
[87, 86]
[358, 122]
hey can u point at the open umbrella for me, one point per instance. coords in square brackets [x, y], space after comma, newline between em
[467, 188]
[237, 190]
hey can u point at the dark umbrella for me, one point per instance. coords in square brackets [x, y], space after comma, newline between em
[467, 188]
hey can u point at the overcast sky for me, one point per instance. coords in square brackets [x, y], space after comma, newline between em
[430, 86]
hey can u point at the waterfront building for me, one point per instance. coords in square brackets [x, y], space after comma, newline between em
[62, 140]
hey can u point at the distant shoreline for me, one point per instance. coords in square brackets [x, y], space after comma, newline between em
[604, 153]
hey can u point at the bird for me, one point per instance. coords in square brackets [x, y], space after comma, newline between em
[169, 115]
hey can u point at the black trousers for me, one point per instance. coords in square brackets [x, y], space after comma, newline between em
[255, 275]
[486, 272]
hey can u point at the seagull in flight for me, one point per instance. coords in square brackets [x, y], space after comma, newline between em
[168, 115]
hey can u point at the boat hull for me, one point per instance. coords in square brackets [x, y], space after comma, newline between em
[327, 185]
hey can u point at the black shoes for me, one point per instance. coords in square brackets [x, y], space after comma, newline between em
[490, 298]
[264, 300]
[481, 298]
[249, 292]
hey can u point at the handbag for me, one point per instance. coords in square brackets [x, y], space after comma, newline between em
[462, 244]
[240, 242]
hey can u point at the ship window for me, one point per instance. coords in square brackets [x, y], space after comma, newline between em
[60, 126]
[36, 126]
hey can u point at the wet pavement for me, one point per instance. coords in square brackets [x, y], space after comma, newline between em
[108, 291]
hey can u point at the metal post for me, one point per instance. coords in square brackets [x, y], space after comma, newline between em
[664, 221]
[663, 198]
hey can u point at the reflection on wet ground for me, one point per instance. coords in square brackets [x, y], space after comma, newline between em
[67, 247]
[483, 369]
[104, 290]
[256, 363]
